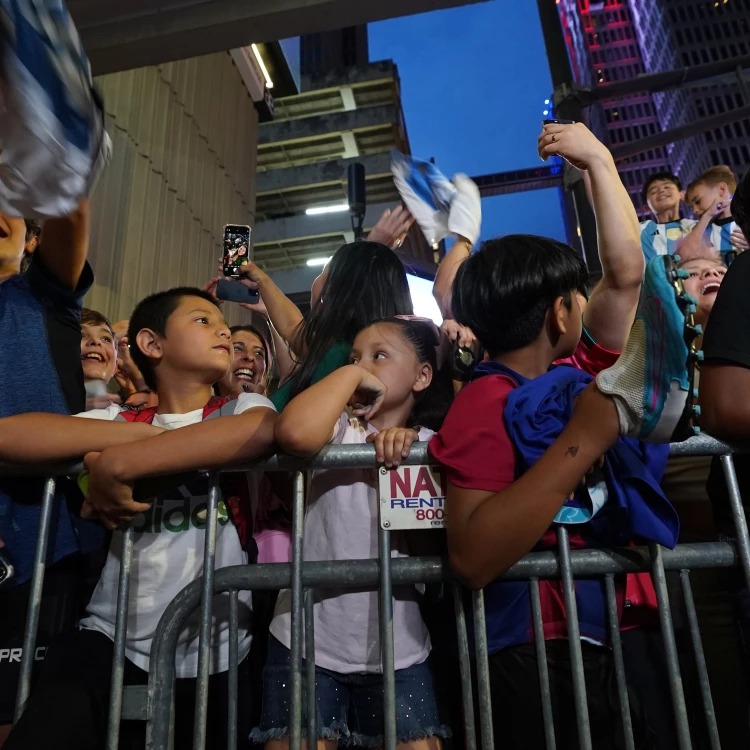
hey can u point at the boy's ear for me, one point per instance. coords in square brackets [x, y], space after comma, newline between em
[683, 197]
[424, 378]
[557, 316]
[149, 344]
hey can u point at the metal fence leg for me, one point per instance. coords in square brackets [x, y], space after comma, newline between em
[622, 687]
[234, 635]
[738, 512]
[35, 599]
[312, 702]
[121, 632]
[670, 648]
[386, 639]
[298, 524]
[574, 641]
[541, 659]
[483, 671]
[207, 597]
[464, 663]
[700, 661]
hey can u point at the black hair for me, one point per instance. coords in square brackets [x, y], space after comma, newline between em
[740, 206]
[366, 282]
[432, 403]
[652, 178]
[33, 229]
[504, 290]
[153, 312]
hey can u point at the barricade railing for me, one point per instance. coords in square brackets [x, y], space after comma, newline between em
[154, 703]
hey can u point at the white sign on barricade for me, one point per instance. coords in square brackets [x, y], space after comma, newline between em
[412, 497]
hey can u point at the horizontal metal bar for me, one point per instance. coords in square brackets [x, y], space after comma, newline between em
[653, 82]
[354, 457]
[665, 137]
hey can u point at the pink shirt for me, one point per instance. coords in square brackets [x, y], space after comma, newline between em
[341, 523]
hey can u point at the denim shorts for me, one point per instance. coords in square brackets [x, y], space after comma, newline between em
[350, 706]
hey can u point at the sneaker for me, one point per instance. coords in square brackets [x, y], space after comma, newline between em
[426, 192]
[53, 144]
[652, 383]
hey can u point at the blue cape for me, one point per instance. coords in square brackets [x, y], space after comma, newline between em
[535, 415]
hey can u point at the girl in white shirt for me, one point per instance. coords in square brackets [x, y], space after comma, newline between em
[395, 391]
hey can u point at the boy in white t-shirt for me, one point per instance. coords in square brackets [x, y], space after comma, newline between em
[182, 345]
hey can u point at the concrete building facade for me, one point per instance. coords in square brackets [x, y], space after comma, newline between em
[342, 117]
[184, 154]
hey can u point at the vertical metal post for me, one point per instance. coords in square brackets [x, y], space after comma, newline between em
[234, 634]
[622, 687]
[298, 524]
[206, 619]
[386, 639]
[700, 661]
[312, 703]
[121, 632]
[569, 109]
[483, 671]
[35, 599]
[574, 640]
[541, 659]
[670, 647]
[738, 513]
[464, 663]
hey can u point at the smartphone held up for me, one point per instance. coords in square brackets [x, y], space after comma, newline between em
[236, 248]
[236, 254]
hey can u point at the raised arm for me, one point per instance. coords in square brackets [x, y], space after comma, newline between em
[464, 222]
[284, 315]
[37, 437]
[611, 309]
[442, 289]
[65, 244]
[306, 424]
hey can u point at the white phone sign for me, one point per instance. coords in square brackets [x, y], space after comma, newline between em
[412, 497]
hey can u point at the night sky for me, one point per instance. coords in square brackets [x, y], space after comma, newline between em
[473, 83]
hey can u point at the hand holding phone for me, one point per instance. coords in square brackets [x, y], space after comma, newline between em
[233, 291]
[236, 249]
[575, 143]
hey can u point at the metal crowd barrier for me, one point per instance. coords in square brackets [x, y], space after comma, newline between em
[154, 703]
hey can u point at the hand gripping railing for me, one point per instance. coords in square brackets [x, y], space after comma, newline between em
[154, 702]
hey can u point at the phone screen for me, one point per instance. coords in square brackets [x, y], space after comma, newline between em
[236, 248]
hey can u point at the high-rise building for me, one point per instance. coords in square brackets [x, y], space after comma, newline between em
[682, 33]
[615, 40]
[603, 45]
[331, 50]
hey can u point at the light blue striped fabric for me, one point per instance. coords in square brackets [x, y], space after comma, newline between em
[53, 144]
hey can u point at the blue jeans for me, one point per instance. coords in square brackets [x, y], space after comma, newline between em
[350, 706]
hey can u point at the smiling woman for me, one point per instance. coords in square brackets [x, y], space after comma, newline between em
[252, 364]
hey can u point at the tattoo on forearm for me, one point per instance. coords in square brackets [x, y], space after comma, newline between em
[572, 450]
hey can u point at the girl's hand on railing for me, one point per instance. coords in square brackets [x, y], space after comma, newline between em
[393, 444]
[109, 499]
